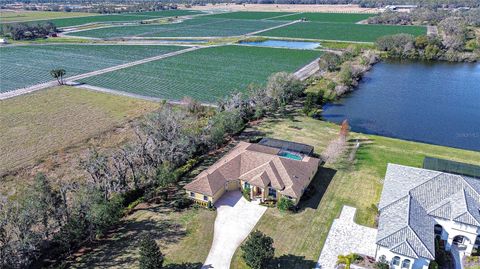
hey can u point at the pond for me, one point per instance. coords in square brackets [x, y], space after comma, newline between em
[284, 44]
[433, 103]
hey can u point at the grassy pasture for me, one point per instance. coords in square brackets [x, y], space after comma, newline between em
[328, 17]
[206, 74]
[37, 124]
[30, 65]
[21, 16]
[245, 15]
[123, 17]
[197, 27]
[342, 31]
[356, 183]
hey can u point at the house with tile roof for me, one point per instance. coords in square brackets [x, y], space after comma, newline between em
[267, 172]
[416, 206]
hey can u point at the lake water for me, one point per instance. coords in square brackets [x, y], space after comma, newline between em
[434, 103]
[284, 44]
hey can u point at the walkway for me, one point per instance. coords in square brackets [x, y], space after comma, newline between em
[236, 218]
[346, 237]
[68, 80]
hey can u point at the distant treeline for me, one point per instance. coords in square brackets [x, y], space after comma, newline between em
[363, 3]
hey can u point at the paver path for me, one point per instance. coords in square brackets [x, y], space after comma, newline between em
[346, 237]
[236, 218]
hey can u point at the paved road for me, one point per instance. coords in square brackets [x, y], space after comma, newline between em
[236, 217]
[346, 237]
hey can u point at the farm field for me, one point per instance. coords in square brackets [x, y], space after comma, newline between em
[357, 183]
[21, 16]
[328, 17]
[198, 27]
[205, 74]
[342, 31]
[124, 17]
[38, 124]
[30, 65]
[250, 15]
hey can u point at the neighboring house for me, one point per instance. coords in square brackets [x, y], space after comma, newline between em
[268, 172]
[419, 204]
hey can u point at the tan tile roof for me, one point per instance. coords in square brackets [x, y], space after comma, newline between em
[260, 166]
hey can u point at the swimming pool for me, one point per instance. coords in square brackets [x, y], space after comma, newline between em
[290, 155]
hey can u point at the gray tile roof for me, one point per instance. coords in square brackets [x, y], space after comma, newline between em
[410, 200]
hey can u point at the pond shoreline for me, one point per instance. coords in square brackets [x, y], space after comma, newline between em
[444, 111]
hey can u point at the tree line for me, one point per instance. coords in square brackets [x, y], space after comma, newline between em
[49, 222]
[27, 31]
[429, 16]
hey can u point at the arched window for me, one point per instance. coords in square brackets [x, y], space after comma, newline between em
[438, 229]
[396, 261]
[406, 263]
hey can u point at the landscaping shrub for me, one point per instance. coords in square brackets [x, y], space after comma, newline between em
[382, 264]
[182, 203]
[246, 194]
[433, 265]
[258, 250]
[285, 204]
[150, 255]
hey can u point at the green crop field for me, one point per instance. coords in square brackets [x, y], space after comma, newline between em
[198, 27]
[245, 15]
[342, 31]
[205, 74]
[21, 16]
[124, 17]
[23, 66]
[328, 17]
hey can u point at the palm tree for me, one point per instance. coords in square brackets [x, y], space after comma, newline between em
[58, 75]
[347, 259]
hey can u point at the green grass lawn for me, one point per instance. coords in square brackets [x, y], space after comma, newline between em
[197, 27]
[183, 237]
[342, 31]
[30, 65]
[123, 17]
[206, 74]
[328, 17]
[38, 124]
[299, 237]
[22, 16]
[251, 15]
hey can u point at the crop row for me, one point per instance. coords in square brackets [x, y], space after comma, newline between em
[206, 74]
[23, 66]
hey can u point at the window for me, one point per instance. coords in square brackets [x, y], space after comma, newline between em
[396, 261]
[272, 192]
[205, 198]
[192, 194]
[406, 263]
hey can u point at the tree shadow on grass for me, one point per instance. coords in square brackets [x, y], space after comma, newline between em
[312, 197]
[186, 265]
[291, 262]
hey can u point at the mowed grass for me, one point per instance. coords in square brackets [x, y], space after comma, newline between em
[123, 17]
[299, 237]
[197, 27]
[23, 66]
[22, 16]
[328, 17]
[250, 15]
[38, 124]
[342, 31]
[206, 74]
[183, 237]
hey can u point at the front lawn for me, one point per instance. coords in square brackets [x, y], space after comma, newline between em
[299, 237]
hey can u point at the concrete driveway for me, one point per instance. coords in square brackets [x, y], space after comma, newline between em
[236, 218]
